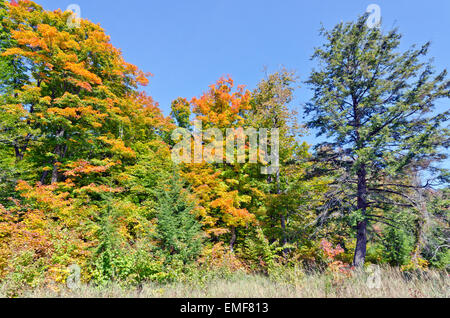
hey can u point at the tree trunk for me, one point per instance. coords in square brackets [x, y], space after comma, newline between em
[233, 239]
[19, 155]
[44, 176]
[54, 174]
[60, 153]
[283, 227]
[421, 223]
[361, 237]
[361, 245]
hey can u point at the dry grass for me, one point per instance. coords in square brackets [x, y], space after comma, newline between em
[394, 284]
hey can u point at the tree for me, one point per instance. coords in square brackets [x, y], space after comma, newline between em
[224, 191]
[75, 129]
[77, 93]
[177, 230]
[376, 106]
[12, 71]
[270, 110]
[290, 198]
[436, 249]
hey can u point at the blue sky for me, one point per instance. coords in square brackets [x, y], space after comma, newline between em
[188, 45]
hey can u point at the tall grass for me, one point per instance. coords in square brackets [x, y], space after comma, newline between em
[288, 284]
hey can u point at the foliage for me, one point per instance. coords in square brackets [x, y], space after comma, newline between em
[86, 175]
[397, 246]
[177, 230]
[375, 104]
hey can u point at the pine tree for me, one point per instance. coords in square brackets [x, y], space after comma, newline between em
[376, 107]
[177, 230]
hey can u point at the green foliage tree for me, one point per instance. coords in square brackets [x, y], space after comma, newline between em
[12, 71]
[436, 249]
[177, 230]
[397, 246]
[376, 106]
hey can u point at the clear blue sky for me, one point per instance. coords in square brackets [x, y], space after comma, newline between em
[188, 45]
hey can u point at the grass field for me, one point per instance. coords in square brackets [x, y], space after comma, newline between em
[392, 284]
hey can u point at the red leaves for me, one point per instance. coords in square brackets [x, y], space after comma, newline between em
[329, 251]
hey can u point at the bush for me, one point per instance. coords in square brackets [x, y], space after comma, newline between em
[397, 246]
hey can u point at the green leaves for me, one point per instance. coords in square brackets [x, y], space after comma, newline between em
[177, 230]
[376, 106]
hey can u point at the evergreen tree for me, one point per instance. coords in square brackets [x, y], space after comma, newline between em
[397, 246]
[178, 232]
[376, 107]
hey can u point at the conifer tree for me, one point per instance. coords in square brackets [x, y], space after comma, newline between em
[376, 106]
[177, 230]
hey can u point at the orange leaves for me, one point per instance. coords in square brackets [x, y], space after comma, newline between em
[84, 167]
[221, 201]
[45, 196]
[46, 225]
[80, 51]
[329, 251]
[220, 107]
[141, 115]
[217, 203]
[16, 110]
[15, 51]
[79, 69]
[30, 38]
[46, 37]
[233, 216]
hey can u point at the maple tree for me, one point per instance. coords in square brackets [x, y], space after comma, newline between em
[223, 195]
[72, 124]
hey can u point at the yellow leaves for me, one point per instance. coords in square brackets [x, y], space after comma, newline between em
[217, 232]
[118, 147]
[81, 84]
[47, 38]
[219, 256]
[19, 52]
[62, 57]
[93, 188]
[46, 100]
[30, 38]
[14, 109]
[98, 36]
[48, 33]
[65, 112]
[142, 79]
[228, 203]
